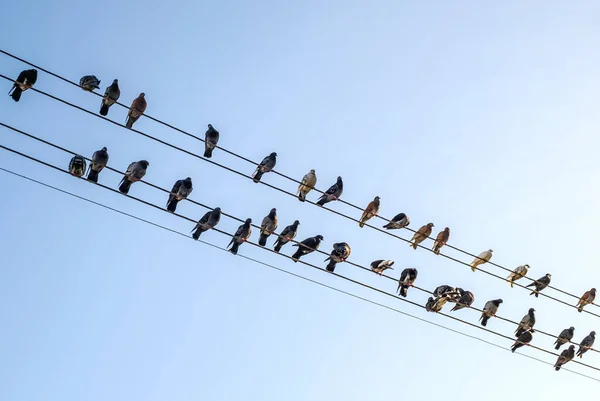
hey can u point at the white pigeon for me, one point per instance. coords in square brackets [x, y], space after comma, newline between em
[481, 259]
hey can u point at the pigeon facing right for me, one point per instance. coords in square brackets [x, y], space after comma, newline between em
[265, 166]
[307, 184]
[288, 234]
[89, 83]
[586, 299]
[441, 240]
[564, 337]
[269, 224]
[211, 138]
[77, 166]
[341, 251]
[241, 235]
[517, 274]
[135, 172]
[138, 106]
[181, 190]
[564, 357]
[111, 95]
[379, 266]
[490, 309]
[208, 221]
[99, 161]
[524, 338]
[407, 279]
[481, 259]
[333, 193]
[466, 300]
[400, 220]
[371, 210]
[540, 284]
[421, 235]
[586, 344]
[307, 246]
[25, 80]
[527, 323]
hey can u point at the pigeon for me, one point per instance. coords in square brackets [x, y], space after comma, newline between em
[481, 259]
[308, 182]
[211, 138]
[400, 220]
[527, 323]
[111, 95]
[288, 234]
[265, 166]
[89, 83]
[564, 357]
[341, 251]
[524, 338]
[268, 226]
[99, 161]
[241, 235]
[307, 246]
[517, 274]
[333, 193]
[441, 240]
[181, 190]
[208, 221]
[370, 212]
[586, 344]
[435, 305]
[407, 279]
[490, 309]
[564, 337]
[379, 266]
[25, 80]
[442, 290]
[540, 284]
[420, 235]
[135, 172]
[77, 166]
[465, 301]
[138, 106]
[586, 299]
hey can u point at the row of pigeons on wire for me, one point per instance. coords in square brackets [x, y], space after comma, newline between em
[341, 251]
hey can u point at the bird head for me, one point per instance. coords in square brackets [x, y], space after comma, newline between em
[217, 209]
[273, 154]
[210, 126]
[571, 348]
[430, 225]
[104, 149]
[319, 237]
[592, 334]
[312, 170]
[339, 179]
[593, 291]
[548, 275]
[531, 310]
[144, 163]
[273, 211]
[500, 301]
[490, 250]
[115, 81]
[142, 94]
[248, 221]
[571, 329]
[188, 179]
[377, 198]
[527, 266]
[296, 222]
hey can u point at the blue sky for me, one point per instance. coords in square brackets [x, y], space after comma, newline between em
[479, 117]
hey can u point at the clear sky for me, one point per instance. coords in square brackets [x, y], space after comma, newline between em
[479, 117]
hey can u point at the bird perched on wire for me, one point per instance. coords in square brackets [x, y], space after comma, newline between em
[400, 220]
[517, 274]
[306, 185]
[540, 284]
[211, 138]
[208, 221]
[333, 193]
[307, 246]
[89, 83]
[586, 344]
[288, 234]
[465, 301]
[441, 240]
[564, 357]
[111, 95]
[564, 337]
[77, 166]
[406, 280]
[489, 310]
[99, 161]
[181, 190]
[241, 235]
[379, 266]
[138, 106]
[266, 165]
[423, 233]
[25, 80]
[483, 257]
[443, 290]
[341, 251]
[269, 224]
[527, 323]
[586, 299]
[135, 172]
[435, 305]
[371, 211]
[522, 339]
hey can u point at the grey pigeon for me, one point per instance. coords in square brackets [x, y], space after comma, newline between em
[379, 266]
[442, 290]
[77, 166]
[400, 220]
[208, 221]
[211, 138]
[435, 304]
[89, 83]
[333, 193]
[135, 172]
[241, 235]
[265, 166]
[586, 344]
[489, 309]
[341, 251]
[138, 106]
[564, 357]
[524, 338]
[465, 301]
[288, 234]
[268, 226]
[527, 323]
[111, 95]
[540, 284]
[307, 246]
[564, 337]
[181, 190]
[407, 279]
[99, 161]
[25, 80]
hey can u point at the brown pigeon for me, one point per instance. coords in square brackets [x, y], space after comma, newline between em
[420, 235]
[371, 211]
[138, 106]
[441, 240]
[586, 299]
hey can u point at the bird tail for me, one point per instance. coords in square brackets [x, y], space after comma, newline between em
[92, 175]
[511, 283]
[104, 109]
[125, 185]
[322, 200]
[257, 175]
[388, 226]
[301, 196]
[361, 224]
[331, 266]
[296, 256]
[278, 246]
[404, 291]
[580, 308]
[413, 244]
[557, 367]
[129, 122]
[172, 205]
[16, 93]
[208, 152]
[235, 247]
[197, 233]
[484, 320]
[557, 345]
[262, 241]
[473, 267]
[514, 348]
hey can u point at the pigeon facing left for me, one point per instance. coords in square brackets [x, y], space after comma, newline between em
[586, 344]
[524, 338]
[268, 226]
[481, 259]
[181, 190]
[441, 240]
[540, 284]
[307, 246]
[435, 305]
[99, 161]
[241, 235]
[517, 274]
[77, 166]
[25, 80]
[111, 95]
[307, 184]
[211, 138]
[288, 234]
[341, 251]
[564, 357]
[265, 166]
[370, 211]
[586, 299]
[421, 235]
[333, 193]
[379, 266]
[89, 83]
[527, 323]
[407, 279]
[135, 172]
[208, 221]
[138, 106]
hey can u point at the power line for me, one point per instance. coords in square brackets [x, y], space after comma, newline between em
[288, 272]
[301, 261]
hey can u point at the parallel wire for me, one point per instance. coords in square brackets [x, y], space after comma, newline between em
[290, 273]
[289, 257]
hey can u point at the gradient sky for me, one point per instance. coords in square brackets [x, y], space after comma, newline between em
[479, 117]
